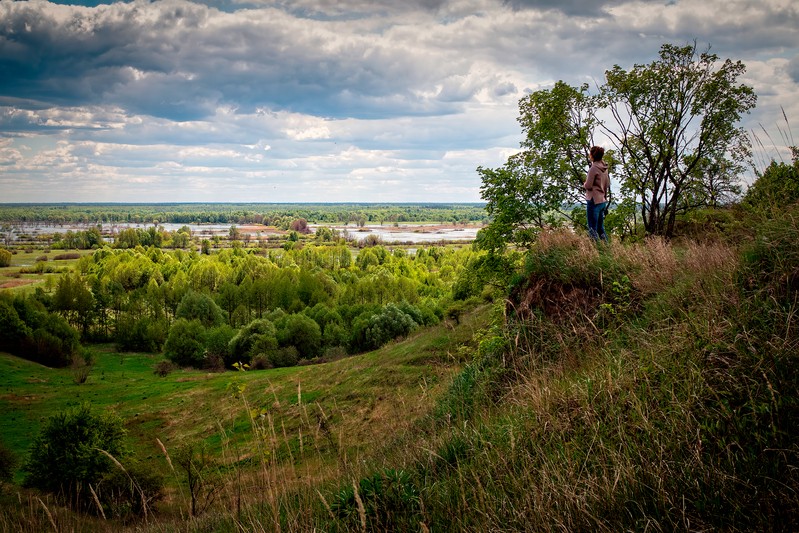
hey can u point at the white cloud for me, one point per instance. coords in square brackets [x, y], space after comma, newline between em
[315, 100]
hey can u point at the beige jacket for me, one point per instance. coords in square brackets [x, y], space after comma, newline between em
[597, 182]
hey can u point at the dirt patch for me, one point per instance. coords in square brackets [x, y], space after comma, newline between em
[558, 301]
[16, 283]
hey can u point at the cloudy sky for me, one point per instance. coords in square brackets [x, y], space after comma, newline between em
[327, 100]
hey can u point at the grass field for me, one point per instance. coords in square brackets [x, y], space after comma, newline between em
[20, 275]
[361, 399]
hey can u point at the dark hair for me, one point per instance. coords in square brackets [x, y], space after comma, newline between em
[597, 152]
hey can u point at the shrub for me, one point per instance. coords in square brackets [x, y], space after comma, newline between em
[286, 356]
[5, 257]
[261, 362]
[12, 329]
[81, 367]
[66, 257]
[66, 457]
[387, 500]
[776, 188]
[387, 325]
[302, 332]
[217, 341]
[54, 343]
[144, 334]
[130, 492]
[185, 345]
[164, 368]
[201, 474]
[259, 336]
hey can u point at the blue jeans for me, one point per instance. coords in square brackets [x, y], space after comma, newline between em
[596, 220]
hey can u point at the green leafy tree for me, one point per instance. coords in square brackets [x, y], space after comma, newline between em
[144, 334]
[74, 301]
[202, 307]
[302, 332]
[257, 337]
[13, 331]
[185, 345]
[67, 456]
[675, 147]
[217, 341]
[776, 188]
[534, 187]
[675, 127]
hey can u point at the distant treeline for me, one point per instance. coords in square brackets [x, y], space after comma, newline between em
[253, 213]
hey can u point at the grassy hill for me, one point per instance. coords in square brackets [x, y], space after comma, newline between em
[316, 421]
[648, 386]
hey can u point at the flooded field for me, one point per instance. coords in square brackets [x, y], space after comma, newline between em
[403, 233]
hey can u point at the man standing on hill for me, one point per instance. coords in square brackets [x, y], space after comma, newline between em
[597, 188]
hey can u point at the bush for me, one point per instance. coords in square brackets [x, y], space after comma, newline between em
[13, 330]
[389, 324]
[5, 257]
[303, 333]
[130, 492]
[81, 367]
[185, 345]
[257, 337]
[164, 368]
[286, 356]
[66, 457]
[217, 341]
[55, 342]
[144, 334]
[775, 189]
[261, 362]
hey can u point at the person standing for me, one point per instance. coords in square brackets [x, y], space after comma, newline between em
[597, 190]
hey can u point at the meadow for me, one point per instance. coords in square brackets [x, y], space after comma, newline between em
[659, 394]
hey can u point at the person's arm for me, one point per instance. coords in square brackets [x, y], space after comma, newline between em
[589, 180]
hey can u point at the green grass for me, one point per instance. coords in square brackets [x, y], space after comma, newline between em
[12, 279]
[364, 396]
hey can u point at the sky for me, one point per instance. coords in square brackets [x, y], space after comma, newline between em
[330, 100]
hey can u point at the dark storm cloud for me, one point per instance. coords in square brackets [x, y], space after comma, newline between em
[182, 60]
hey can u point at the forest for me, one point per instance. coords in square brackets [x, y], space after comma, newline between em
[153, 290]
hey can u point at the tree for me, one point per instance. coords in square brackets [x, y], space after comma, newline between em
[185, 345]
[199, 306]
[257, 337]
[302, 332]
[67, 456]
[776, 187]
[534, 187]
[675, 146]
[675, 130]
[74, 301]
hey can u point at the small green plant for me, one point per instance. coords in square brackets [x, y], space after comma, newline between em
[619, 297]
[73, 452]
[387, 500]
